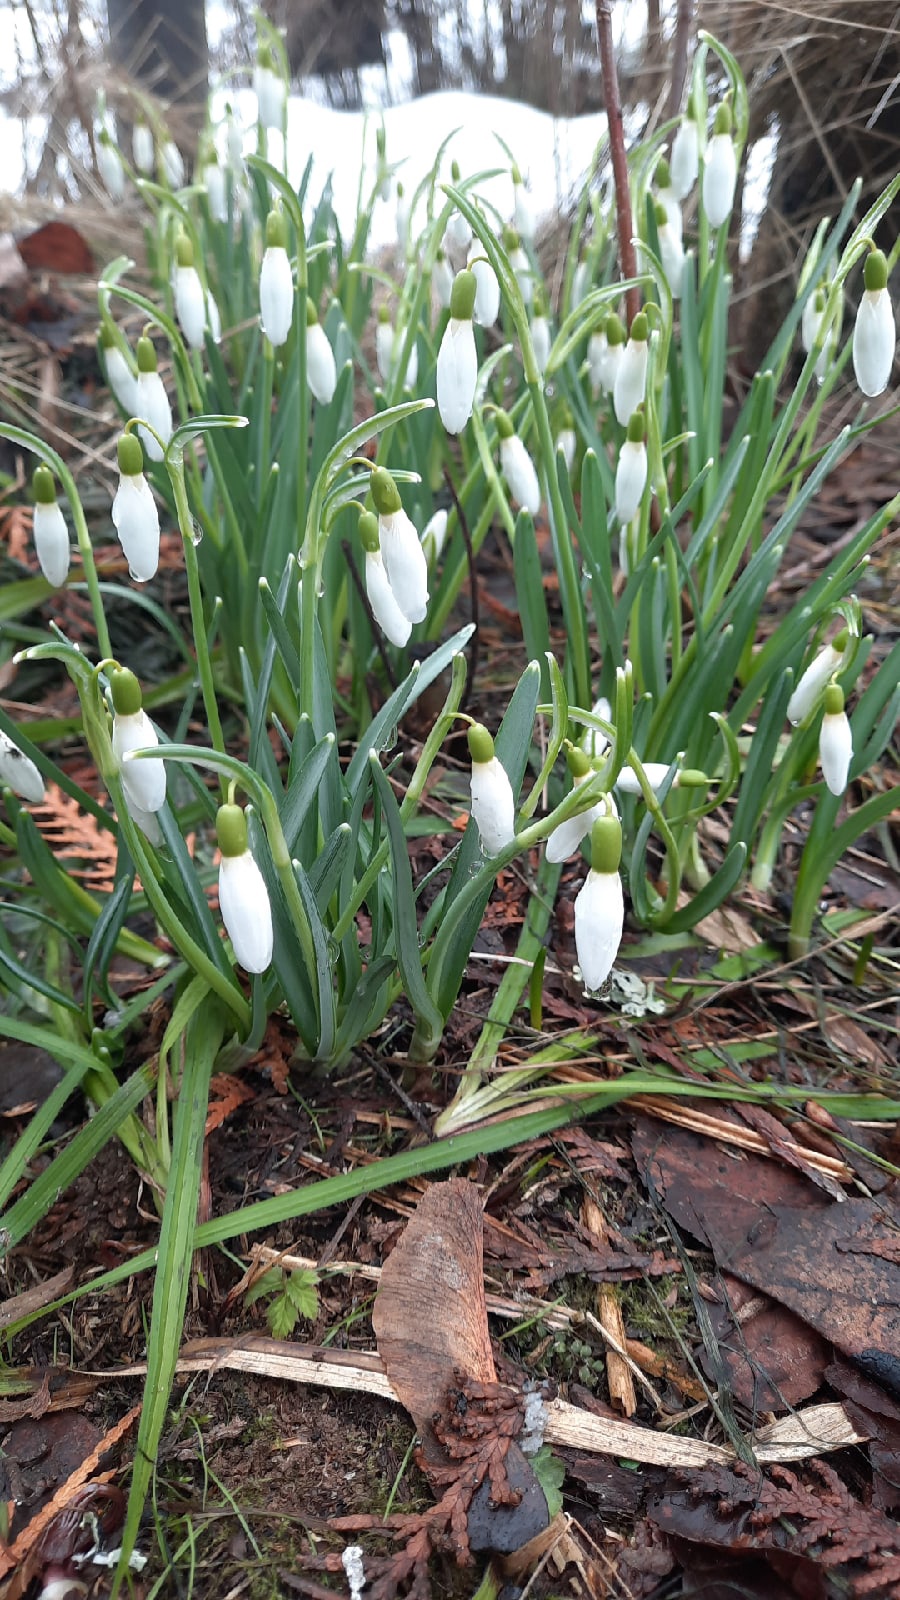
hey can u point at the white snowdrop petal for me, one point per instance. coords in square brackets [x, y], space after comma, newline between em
[109, 165]
[19, 773]
[216, 191]
[567, 836]
[672, 254]
[594, 741]
[433, 535]
[457, 374]
[674, 218]
[654, 771]
[173, 164]
[835, 750]
[405, 564]
[493, 806]
[120, 378]
[384, 350]
[458, 234]
[190, 306]
[599, 920]
[812, 684]
[136, 522]
[442, 281]
[598, 345]
[276, 295]
[144, 782]
[521, 266]
[487, 289]
[580, 284]
[719, 179]
[874, 341]
[631, 479]
[393, 624]
[270, 96]
[142, 147]
[519, 472]
[540, 339]
[246, 912]
[567, 443]
[524, 219]
[321, 372]
[151, 403]
[51, 541]
[685, 162]
[630, 380]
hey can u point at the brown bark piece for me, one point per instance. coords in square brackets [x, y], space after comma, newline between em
[609, 1314]
[774, 1358]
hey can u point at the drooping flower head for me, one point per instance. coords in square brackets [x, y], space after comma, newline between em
[401, 548]
[321, 372]
[667, 198]
[51, 536]
[567, 836]
[685, 163]
[487, 287]
[391, 620]
[190, 300]
[19, 773]
[523, 208]
[875, 331]
[671, 251]
[109, 165]
[134, 512]
[540, 331]
[142, 147]
[631, 378]
[151, 403]
[720, 168]
[144, 782]
[243, 897]
[433, 535]
[823, 666]
[171, 163]
[600, 906]
[271, 92]
[276, 283]
[457, 362]
[122, 381]
[518, 467]
[631, 470]
[835, 740]
[493, 804]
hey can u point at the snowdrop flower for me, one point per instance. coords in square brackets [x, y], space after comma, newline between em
[276, 283]
[581, 283]
[401, 549]
[51, 536]
[835, 741]
[190, 301]
[321, 373]
[19, 773]
[216, 191]
[458, 233]
[434, 534]
[234, 141]
[520, 264]
[567, 836]
[685, 162]
[517, 467]
[151, 403]
[134, 512]
[671, 252]
[631, 471]
[600, 906]
[457, 362]
[172, 163]
[667, 198]
[213, 318]
[384, 343]
[631, 378]
[243, 896]
[720, 169]
[144, 782]
[487, 288]
[442, 280]
[540, 333]
[493, 805]
[594, 741]
[391, 620]
[142, 148]
[810, 328]
[567, 443]
[612, 354]
[119, 375]
[596, 360]
[109, 166]
[271, 94]
[822, 667]
[523, 208]
[874, 332]
[655, 772]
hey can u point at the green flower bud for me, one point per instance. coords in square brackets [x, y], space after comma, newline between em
[146, 355]
[130, 454]
[126, 692]
[875, 271]
[614, 329]
[385, 494]
[833, 700]
[505, 425]
[368, 531]
[606, 844]
[276, 231]
[577, 761]
[184, 251]
[724, 121]
[43, 486]
[312, 315]
[663, 174]
[481, 745]
[639, 329]
[462, 298]
[231, 830]
[637, 427]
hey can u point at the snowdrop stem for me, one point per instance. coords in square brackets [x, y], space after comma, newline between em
[67, 482]
[175, 465]
[492, 476]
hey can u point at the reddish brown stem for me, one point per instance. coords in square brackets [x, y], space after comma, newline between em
[684, 21]
[625, 226]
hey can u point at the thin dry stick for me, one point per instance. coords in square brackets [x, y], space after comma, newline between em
[684, 17]
[627, 258]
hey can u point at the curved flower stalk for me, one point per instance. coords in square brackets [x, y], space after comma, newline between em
[134, 512]
[457, 362]
[271, 91]
[835, 741]
[720, 169]
[524, 219]
[487, 288]
[631, 471]
[109, 166]
[321, 372]
[391, 620]
[493, 804]
[276, 283]
[812, 682]
[874, 332]
[190, 300]
[517, 466]
[19, 773]
[119, 376]
[151, 403]
[631, 378]
[685, 163]
[51, 536]
[243, 897]
[567, 836]
[144, 781]
[600, 906]
[142, 148]
[401, 549]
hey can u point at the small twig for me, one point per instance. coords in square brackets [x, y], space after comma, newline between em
[625, 226]
[684, 17]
